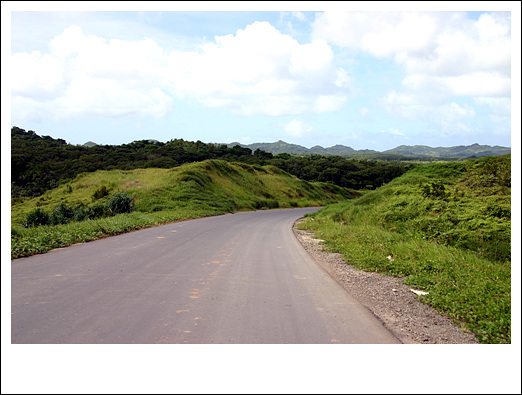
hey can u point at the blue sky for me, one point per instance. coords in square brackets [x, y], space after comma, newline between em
[368, 80]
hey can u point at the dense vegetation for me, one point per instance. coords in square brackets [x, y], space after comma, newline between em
[403, 152]
[39, 163]
[102, 203]
[446, 228]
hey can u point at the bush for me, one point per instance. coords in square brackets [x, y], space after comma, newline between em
[37, 217]
[81, 213]
[99, 193]
[99, 211]
[435, 189]
[120, 203]
[62, 214]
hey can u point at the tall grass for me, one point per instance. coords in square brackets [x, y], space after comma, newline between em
[30, 241]
[453, 242]
[160, 196]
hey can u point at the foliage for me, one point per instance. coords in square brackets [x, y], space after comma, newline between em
[192, 190]
[99, 193]
[62, 214]
[120, 203]
[39, 163]
[447, 228]
[403, 152]
[37, 217]
[434, 189]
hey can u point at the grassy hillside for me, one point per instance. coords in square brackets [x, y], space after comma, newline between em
[193, 190]
[446, 228]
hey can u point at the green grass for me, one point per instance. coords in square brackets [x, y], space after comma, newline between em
[161, 196]
[453, 242]
[30, 241]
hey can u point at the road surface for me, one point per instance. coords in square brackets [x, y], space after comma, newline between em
[238, 278]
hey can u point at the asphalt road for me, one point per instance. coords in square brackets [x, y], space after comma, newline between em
[238, 278]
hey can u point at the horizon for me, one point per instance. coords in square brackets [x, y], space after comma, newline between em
[273, 142]
[282, 141]
[432, 78]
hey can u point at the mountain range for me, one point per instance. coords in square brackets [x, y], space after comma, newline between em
[424, 151]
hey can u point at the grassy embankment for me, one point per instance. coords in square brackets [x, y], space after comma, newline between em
[161, 196]
[446, 228]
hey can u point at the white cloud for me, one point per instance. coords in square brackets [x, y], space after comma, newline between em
[393, 132]
[260, 71]
[89, 75]
[479, 84]
[411, 106]
[444, 54]
[299, 15]
[36, 75]
[381, 34]
[296, 128]
[257, 70]
[364, 111]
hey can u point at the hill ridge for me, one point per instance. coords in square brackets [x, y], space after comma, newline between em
[460, 151]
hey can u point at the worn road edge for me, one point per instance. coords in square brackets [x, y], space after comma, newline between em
[410, 320]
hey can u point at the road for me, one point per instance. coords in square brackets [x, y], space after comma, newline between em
[238, 278]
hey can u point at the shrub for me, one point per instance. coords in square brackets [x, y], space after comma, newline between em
[98, 210]
[37, 217]
[120, 203]
[435, 189]
[99, 193]
[81, 213]
[61, 214]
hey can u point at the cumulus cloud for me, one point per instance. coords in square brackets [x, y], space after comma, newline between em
[297, 128]
[257, 70]
[444, 54]
[89, 75]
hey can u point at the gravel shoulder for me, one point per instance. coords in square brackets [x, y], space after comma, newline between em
[393, 302]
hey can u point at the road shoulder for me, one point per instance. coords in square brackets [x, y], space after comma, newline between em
[411, 321]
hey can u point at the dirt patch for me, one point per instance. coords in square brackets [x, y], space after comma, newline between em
[389, 299]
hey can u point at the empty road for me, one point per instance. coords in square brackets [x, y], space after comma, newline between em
[238, 278]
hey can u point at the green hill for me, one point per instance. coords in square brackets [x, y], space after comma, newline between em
[402, 152]
[445, 228]
[199, 189]
[461, 151]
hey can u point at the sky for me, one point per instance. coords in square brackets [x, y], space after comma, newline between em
[365, 79]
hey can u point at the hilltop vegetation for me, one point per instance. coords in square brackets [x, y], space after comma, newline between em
[211, 187]
[445, 228]
[40, 163]
[403, 152]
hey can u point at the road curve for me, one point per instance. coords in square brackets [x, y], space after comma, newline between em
[238, 278]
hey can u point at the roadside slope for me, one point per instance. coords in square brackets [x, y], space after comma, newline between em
[194, 190]
[445, 229]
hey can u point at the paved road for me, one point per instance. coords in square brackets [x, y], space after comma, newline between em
[239, 278]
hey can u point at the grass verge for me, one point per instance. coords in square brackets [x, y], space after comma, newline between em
[451, 239]
[161, 196]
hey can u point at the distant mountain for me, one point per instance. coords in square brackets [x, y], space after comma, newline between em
[421, 151]
[280, 147]
[460, 151]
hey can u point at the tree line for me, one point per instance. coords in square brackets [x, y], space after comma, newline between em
[40, 163]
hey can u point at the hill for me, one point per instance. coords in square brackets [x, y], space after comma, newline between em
[42, 163]
[398, 153]
[194, 190]
[445, 228]
[461, 151]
